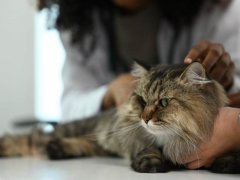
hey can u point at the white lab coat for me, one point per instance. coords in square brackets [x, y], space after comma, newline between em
[86, 78]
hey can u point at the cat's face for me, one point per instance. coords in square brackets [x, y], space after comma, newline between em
[176, 100]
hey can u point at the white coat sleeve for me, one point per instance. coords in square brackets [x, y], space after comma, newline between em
[83, 89]
[228, 33]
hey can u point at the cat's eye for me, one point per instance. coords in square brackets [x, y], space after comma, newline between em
[164, 102]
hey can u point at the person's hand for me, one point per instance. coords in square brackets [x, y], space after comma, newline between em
[225, 139]
[119, 91]
[234, 100]
[216, 61]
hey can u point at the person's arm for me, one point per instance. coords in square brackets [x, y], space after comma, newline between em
[234, 99]
[228, 33]
[225, 139]
[88, 86]
[223, 48]
[119, 91]
[84, 81]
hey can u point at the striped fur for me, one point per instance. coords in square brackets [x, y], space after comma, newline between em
[163, 122]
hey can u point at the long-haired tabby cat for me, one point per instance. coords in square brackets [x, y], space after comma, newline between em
[165, 119]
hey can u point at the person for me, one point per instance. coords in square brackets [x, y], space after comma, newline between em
[225, 139]
[103, 38]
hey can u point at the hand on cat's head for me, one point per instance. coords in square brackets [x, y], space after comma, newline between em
[215, 60]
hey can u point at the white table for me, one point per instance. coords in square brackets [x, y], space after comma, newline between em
[91, 169]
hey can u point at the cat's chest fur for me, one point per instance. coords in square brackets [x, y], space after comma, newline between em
[161, 137]
[162, 140]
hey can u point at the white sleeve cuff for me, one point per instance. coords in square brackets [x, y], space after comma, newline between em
[79, 106]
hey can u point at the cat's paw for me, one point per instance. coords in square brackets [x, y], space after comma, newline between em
[226, 165]
[56, 150]
[151, 163]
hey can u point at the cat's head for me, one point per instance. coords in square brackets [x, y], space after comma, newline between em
[176, 100]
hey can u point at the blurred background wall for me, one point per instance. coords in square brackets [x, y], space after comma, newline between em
[17, 22]
[31, 58]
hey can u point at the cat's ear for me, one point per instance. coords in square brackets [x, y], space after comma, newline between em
[195, 73]
[139, 69]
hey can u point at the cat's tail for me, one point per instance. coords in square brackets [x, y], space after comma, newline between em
[32, 144]
[74, 134]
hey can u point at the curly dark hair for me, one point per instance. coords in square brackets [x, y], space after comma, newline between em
[76, 15]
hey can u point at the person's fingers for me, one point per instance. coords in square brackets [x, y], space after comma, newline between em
[221, 68]
[197, 52]
[188, 60]
[218, 75]
[198, 163]
[215, 52]
[227, 79]
[191, 158]
[195, 164]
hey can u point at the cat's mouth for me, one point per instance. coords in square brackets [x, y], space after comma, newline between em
[153, 128]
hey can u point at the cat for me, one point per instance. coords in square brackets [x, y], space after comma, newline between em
[171, 109]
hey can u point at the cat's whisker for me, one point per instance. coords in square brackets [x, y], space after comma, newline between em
[190, 145]
[125, 130]
[150, 137]
[113, 132]
[132, 133]
[185, 137]
[132, 115]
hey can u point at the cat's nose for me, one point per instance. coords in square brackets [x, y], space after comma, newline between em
[146, 120]
[148, 112]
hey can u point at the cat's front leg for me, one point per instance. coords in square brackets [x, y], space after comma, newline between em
[65, 148]
[151, 160]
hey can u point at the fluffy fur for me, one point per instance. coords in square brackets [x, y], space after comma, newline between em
[166, 117]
